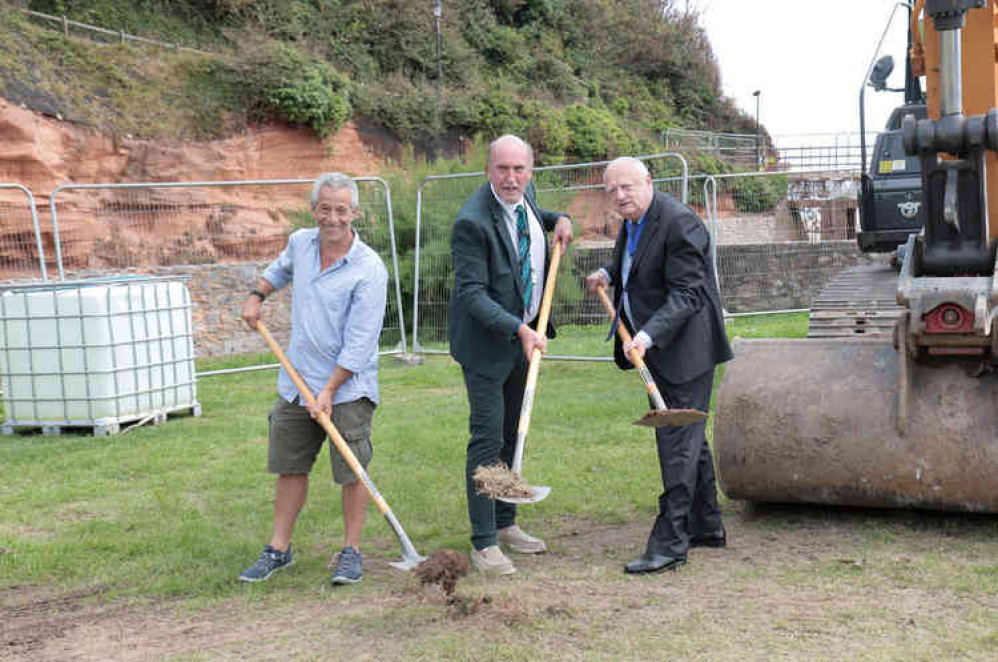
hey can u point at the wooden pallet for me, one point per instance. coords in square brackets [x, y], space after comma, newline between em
[96, 430]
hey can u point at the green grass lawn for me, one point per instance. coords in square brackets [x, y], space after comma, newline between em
[180, 509]
[128, 547]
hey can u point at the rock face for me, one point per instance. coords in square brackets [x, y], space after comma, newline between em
[204, 224]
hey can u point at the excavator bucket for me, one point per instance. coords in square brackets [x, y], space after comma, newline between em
[816, 421]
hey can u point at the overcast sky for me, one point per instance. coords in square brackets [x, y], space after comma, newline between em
[808, 59]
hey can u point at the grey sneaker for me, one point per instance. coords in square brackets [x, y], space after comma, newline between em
[349, 568]
[271, 560]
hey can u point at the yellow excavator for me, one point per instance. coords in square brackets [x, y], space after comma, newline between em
[910, 421]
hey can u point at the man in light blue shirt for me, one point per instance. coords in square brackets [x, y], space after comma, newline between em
[337, 309]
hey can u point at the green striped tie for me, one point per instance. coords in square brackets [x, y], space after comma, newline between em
[523, 249]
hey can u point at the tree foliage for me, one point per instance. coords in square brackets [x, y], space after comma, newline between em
[582, 78]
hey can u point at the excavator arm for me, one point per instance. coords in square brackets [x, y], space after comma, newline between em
[913, 422]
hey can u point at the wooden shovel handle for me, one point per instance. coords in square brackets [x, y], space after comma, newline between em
[636, 359]
[324, 421]
[535, 358]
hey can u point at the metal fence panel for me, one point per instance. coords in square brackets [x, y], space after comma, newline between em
[22, 254]
[780, 236]
[114, 227]
[576, 189]
[782, 153]
[817, 152]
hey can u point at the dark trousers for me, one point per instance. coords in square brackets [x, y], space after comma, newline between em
[688, 504]
[494, 416]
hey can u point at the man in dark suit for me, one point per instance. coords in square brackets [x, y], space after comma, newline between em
[500, 257]
[666, 295]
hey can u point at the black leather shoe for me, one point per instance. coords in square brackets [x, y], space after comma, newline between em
[712, 539]
[652, 563]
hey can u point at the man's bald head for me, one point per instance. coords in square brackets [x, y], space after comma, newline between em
[510, 166]
[629, 186]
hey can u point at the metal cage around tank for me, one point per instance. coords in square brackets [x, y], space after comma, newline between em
[96, 354]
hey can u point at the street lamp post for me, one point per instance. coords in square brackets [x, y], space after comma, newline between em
[758, 160]
[438, 12]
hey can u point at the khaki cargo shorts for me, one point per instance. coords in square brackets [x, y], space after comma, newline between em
[296, 439]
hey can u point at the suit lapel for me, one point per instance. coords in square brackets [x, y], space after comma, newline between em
[618, 252]
[499, 224]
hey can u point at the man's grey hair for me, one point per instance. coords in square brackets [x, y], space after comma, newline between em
[638, 164]
[335, 181]
[505, 138]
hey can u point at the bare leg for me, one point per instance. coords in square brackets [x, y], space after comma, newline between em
[289, 498]
[355, 500]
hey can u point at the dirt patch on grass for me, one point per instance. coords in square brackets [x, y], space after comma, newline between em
[34, 616]
[793, 583]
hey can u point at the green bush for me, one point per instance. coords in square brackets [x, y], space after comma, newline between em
[595, 133]
[311, 101]
[408, 110]
[277, 81]
[547, 133]
[756, 194]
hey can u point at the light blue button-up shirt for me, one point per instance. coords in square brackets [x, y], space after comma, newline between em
[336, 315]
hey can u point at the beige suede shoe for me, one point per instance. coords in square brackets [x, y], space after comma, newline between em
[518, 541]
[491, 560]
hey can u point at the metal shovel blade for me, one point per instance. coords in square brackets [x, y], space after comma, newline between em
[408, 562]
[540, 492]
[660, 418]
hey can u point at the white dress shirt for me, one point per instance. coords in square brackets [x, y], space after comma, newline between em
[537, 252]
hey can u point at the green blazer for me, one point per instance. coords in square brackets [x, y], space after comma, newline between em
[486, 304]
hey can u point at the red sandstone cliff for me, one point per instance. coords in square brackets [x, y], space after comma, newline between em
[42, 153]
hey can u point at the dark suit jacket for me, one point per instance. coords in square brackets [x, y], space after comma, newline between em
[486, 304]
[673, 293]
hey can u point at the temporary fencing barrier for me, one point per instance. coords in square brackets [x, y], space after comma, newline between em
[576, 189]
[780, 236]
[777, 237]
[22, 254]
[102, 228]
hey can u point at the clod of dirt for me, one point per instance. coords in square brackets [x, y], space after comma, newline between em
[443, 567]
[497, 481]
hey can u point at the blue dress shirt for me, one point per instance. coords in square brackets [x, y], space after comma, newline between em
[336, 315]
[633, 230]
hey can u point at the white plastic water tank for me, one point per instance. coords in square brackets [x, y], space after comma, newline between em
[96, 353]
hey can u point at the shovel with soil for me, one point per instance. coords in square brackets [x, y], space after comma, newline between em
[498, 481]
[660, 416]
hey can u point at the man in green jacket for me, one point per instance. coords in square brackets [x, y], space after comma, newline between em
[500, 257]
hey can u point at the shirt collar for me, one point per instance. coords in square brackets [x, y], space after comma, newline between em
[638, 222]
[354, 244]
[510, 209]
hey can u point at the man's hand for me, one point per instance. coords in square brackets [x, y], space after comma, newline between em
[251, 311]
[323, 402]
[563, 232]
[530, 340]
[637, 344]
[596, 279]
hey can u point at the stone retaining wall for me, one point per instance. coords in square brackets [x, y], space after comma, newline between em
[753, 278]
